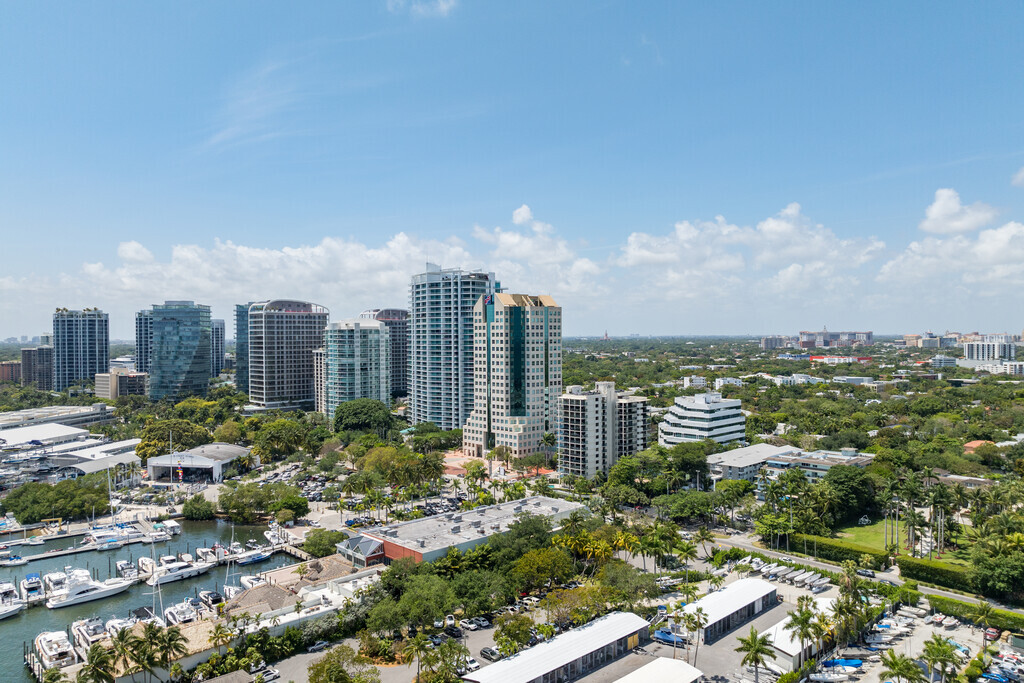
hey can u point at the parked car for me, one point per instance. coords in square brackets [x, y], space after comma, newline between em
[439, 623]
[270, 675]
[887, 582]
[866, 572]
[318, 646]
[453, 631]
[469, 625]
[481, 622]
[449, 620]
[490, 654]
[992, 634]
[472, 664]
[436, 640]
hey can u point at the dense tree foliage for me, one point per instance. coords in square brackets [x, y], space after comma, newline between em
[158, 436]
[71, 499]
[198, 508]
[364, 415]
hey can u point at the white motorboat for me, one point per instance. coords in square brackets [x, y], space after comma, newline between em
[182, 613]
[232, 591]
[877, 638]
[253, 556]
[799, 579]
[33, 540]
[950, 622]
[116, 625]
[31, 587]
[8, 560]
[823, 581]
[157, 537]
[10, 603]
[110, 544]
[54, 650]
[126, 570]
[172, 527]
[176, 571]
[211, 598]
[86, 633]
[145, 615]
[252, 581]
[54, 582]
[828, 677]
[82, 588]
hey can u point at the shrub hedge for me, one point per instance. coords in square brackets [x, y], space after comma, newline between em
[939, 573]
[838, 550]
[1000, 618]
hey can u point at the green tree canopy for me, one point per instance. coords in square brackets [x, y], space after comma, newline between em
[363, 415]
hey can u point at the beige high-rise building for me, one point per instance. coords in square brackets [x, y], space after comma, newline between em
[282, 337]
[517, 373]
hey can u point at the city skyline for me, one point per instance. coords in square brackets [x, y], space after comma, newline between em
[720, 169]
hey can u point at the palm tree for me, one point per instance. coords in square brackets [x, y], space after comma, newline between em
[176, 673]
[626, 542]
[99, 666]
[900, 668]
[221, 635]
[172, 645]
[548, 440]
[702, 537]
[695, 622]
[417, 647]
[147, 648]
[801, 626]
[124, 644]
[54, 675]
[756, 649]
[939, 654]
[981, 613]
[687, 552]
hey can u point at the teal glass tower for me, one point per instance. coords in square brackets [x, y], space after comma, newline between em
[180, 363]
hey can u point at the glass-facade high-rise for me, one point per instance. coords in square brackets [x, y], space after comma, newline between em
[217, 347]
[143, 340]
[441, 343]
[81, 346]
[357, 362]
[397, 322]
[242, 347]
[282, 337]
[181, 364]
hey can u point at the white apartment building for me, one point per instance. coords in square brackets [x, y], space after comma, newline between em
[1005, 368]
[81, 346]
[598, 427]
[989, 351]
[727, 382]
[704, 416]
[745, 463]
[694, 382]
[441, 369]
[941, 361]
[282, 337]
[796, 379]
[517, 373]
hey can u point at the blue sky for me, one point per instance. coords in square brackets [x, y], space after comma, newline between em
[664, 168]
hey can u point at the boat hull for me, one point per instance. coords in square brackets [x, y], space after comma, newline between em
[105, 592]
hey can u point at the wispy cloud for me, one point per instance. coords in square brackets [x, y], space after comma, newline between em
[255, 106]
[422, 8]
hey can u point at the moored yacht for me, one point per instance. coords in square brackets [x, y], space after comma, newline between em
[87, 632]
[34, 540]
[31, 587]
[146, 615]
[252, 581]
[10, 603]
[126, 570]
[253, 556]
[54, 650]
[176, 571]
[211, 598]
[117, 624]
[82, 588]
[182, 613]
[54, 582]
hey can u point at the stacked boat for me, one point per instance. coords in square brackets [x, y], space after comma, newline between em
[184, 612]
[55, 650]
[86, 633]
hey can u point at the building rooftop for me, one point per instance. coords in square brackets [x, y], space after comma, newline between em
[738, 594]
[17, 418]
[107, 449]
[560, 650]
[663, 670]
[785, 641]
[215, 452]
[100, 464]
[454, 528]
[749, 455]
[24, 436]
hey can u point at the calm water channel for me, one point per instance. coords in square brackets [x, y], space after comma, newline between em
[24, 627]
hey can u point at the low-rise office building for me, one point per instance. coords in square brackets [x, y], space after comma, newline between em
[429, 538]
[704, 416]
[745, 463]
[817, 464]
[732, 606]
[569, 655]
[121, 382]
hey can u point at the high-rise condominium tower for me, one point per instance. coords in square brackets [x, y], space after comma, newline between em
[397, 322]
[37, 368]
[598, 427]
[143, 340]
[517, 345]
[81, 346]
[180, 363]
[216, 347]
[282, 337]
[242, 347]
[441, 343]
[357, 362]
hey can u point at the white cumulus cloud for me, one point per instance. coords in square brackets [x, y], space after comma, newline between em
[946, 215]
[1018, 178]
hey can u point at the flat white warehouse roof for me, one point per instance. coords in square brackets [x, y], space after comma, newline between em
[18, 436]
[560, 650]
[663, 670]
[750, 455]
[735, 596]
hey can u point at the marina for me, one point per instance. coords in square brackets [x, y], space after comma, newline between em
[23, 625]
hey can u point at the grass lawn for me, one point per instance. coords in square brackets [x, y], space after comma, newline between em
[873, 535]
